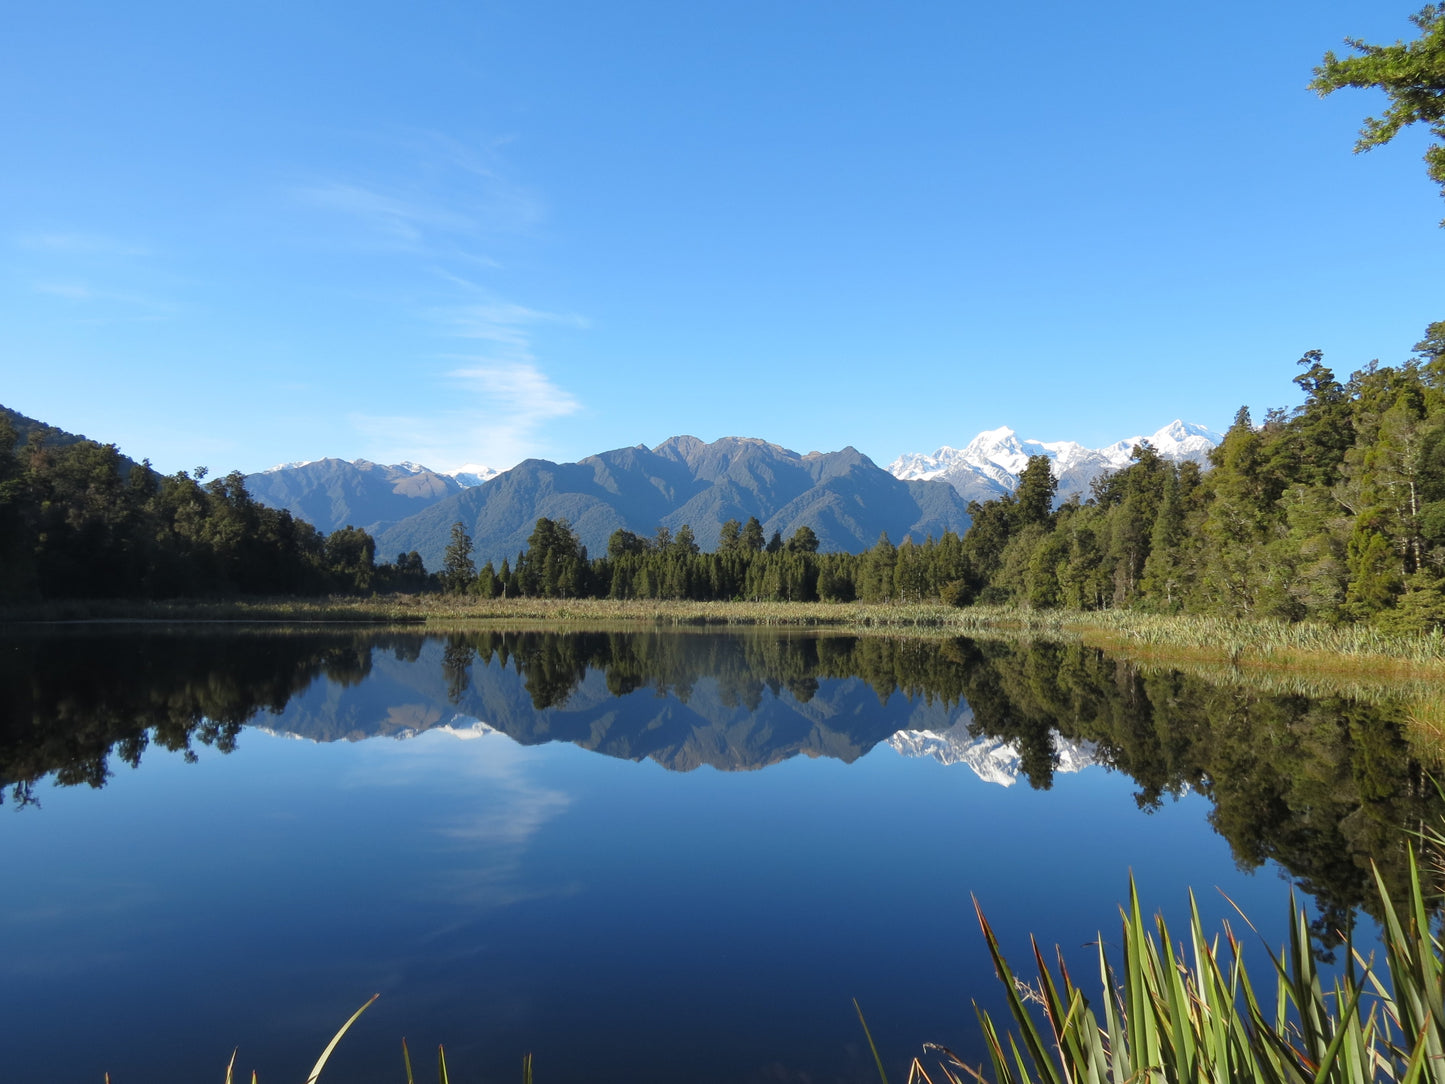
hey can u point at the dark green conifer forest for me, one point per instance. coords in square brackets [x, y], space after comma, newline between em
[78, 520]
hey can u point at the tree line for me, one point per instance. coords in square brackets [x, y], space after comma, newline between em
[747, 565]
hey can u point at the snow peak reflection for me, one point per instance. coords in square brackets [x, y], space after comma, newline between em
[1319, 785]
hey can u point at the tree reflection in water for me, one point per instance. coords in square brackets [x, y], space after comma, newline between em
[1320, 786]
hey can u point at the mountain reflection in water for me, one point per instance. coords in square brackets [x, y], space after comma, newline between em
[1321, 786]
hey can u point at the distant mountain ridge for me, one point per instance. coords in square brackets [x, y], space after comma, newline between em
[845, 499]
[843, 496]
[334, 493]
[988, 467]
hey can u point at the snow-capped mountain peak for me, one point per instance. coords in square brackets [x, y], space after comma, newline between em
[988, 466]
[473, 474]
[297, 465]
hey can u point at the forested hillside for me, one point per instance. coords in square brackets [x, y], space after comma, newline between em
[79, 520]
[25, 428]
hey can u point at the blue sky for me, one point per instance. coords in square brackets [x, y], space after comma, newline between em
[236, 235]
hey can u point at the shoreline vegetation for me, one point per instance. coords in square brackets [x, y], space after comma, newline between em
[1223, 644]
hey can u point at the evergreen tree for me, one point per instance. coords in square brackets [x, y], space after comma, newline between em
[752, 539]
[625, 544]
[1042, 589]
[1135, 494]
[910, 573]
[1411, 73]
[1238, 525]
[1321, 431]
[803, 540]
[874, 582]
[730, 538]
[458, 568]
[983, 546]
[351, 558]
[1161, 581]
[684, 543]
[1034, 497]
[488, 585]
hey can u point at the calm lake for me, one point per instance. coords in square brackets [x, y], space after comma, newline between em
[637, 855]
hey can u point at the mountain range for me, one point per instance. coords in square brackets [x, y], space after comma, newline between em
[842, 496]
[846, 500]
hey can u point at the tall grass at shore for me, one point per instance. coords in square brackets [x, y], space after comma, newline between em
[1230, 638]
[1178, 1015]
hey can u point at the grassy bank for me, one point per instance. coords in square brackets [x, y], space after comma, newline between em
[1212, 643]
[454, 610]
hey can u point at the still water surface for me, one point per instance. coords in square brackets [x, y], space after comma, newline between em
[637, 855]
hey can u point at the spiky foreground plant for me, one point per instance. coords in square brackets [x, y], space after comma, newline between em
[1177, 1016]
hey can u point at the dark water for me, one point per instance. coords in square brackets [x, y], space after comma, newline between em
[638, 856]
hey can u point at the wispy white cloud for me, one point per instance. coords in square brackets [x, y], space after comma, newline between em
[502, 406]
[402, 220]
[497, 321]
[455, 200]
[81, 244]
[71, 291]
[506, 807]
[103, 278]
[452, 204]
[117, 304]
